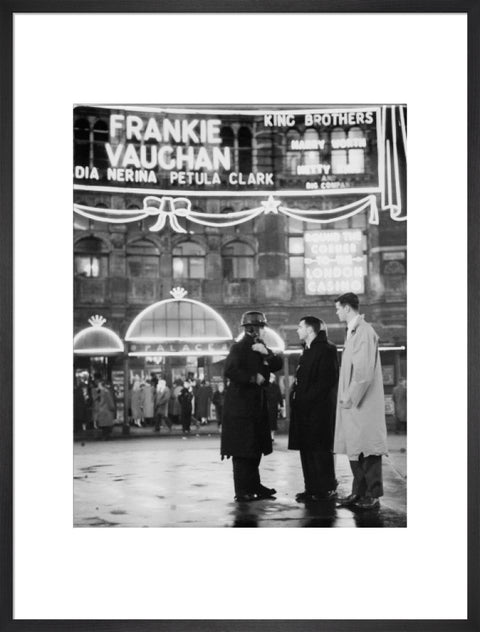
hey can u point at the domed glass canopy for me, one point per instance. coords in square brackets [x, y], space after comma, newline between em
[178, 319]
[97, 340]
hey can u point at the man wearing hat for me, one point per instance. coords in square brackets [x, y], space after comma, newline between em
[245, 427]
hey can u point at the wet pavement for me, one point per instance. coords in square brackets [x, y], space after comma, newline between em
[170, 481]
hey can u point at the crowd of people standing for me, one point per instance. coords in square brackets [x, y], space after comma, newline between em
[152, 402]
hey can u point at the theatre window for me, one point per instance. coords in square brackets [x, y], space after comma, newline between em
[81, 132]
[294, 156]
[348, 150]
[91, 258]
[238, 261]
[100, 138]
[188, 261]
[143, 259]
[244, 150]
[296, 249]
[269, 151]
[394, 276]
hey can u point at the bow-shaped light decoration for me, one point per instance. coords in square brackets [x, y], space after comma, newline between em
[169, 208]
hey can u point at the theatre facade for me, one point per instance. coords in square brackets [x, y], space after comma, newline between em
[185, 217]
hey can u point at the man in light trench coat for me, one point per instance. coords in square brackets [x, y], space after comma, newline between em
[360, 430]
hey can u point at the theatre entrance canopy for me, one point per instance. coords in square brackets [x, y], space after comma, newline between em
[178, 327]
[97, 340]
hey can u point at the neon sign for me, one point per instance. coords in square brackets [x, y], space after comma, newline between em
[176, 149]
[334, 262]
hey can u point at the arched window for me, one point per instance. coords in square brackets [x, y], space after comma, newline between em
[244, 150]
[311, 156]
[91, 258]
[356, 151]
[269, 148]
[100, 137]
[348, 150]
[339, 153]
[188, 261]
[81, 134]
[293, 151]
[143, 259]
[238, 260]
[227, 136]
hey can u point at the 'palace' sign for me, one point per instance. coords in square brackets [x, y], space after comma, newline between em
[180, 349]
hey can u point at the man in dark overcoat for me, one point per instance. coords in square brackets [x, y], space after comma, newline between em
[246, 428]
[312, 410]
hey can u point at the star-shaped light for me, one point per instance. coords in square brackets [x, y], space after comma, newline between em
[270, 206]
[178, 292]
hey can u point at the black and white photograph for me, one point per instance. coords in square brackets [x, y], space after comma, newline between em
[240, 315]
[210, 340]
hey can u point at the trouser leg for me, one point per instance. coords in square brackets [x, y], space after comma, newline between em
[318, 471]
[246, 476]
[367, 476]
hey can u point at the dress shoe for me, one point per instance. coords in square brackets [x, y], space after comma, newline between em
[325, 496]
[246, 498]
[364, 504]
[265, 492]
[348, 501]
[305, 497]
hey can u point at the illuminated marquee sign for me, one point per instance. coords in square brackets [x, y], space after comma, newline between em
[334, 262]
[317, 151]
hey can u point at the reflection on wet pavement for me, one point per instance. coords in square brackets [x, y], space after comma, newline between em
[167, 482]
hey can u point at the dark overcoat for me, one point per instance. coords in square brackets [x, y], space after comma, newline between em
[314, 396]
[245, 424]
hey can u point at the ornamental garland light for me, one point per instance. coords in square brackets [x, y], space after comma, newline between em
[168, 209]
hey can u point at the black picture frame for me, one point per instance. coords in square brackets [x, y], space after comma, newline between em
[7, 11]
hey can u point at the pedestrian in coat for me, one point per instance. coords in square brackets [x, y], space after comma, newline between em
[173, 403]
[82, 413]
[399, 397]
[312, 410]
[162, 397]
[203, 399]
[218, 400]
[105, 410]
[149, 391]
[245, 427]
[185, 400]
[136, 402]
[361, 431]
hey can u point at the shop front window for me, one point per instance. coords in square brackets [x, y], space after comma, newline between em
[188, 261]
[238, 261]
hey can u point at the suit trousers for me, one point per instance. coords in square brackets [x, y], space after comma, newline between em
[367, 476]
[318, 471]
[246, 476]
